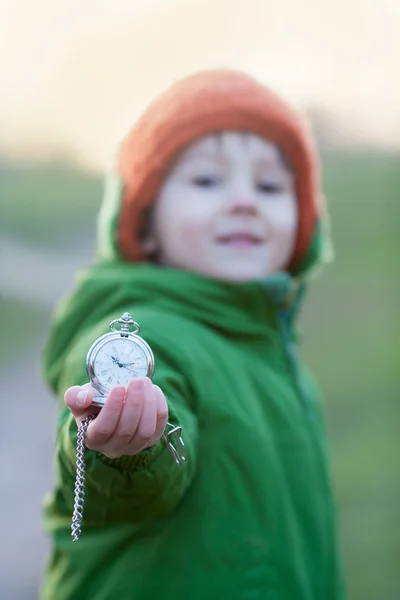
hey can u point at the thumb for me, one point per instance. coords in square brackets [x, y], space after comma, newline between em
[78, 399]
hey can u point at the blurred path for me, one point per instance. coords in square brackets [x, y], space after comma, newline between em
[27, 423]
[27, 418]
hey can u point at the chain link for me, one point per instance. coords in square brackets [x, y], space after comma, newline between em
[178, 453]
[79, 498]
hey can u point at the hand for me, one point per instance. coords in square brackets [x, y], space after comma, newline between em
[132, 419]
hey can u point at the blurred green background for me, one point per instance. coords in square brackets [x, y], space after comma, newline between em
[350, 328]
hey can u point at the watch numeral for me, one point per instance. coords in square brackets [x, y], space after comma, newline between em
[104, 372]
[109, 379]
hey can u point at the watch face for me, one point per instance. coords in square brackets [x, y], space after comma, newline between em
[117, 360]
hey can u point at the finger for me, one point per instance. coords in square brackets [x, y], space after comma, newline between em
[148, 418]
[102, 428]
[162, 415]
[130, 414]
[78, 399]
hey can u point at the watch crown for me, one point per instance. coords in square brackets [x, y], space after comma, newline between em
[126, 317]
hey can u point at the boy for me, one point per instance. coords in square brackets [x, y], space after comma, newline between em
[205, 238]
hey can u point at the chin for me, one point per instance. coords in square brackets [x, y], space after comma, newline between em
[240, 275]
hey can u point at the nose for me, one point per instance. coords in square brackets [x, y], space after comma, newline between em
[243, 201]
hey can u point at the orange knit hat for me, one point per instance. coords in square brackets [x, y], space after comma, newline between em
[192, 108]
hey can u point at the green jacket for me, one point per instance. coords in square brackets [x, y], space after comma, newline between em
[250, 515]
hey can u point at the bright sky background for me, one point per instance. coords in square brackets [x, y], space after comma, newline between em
[76, 74]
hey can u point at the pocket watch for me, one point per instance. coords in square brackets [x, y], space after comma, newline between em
[114, 359]
[117, 357]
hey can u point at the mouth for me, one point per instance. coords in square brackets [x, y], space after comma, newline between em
[240, 240]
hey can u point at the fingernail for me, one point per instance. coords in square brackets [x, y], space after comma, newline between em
[81, 398]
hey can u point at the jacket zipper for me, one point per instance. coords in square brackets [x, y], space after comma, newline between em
[291, 353]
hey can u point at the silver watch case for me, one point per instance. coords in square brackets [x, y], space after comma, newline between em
[99, 400]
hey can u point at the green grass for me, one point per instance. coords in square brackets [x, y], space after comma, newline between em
[351, 332]
[350, 324]
[46, 204]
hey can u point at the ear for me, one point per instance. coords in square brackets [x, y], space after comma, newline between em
[149, 244]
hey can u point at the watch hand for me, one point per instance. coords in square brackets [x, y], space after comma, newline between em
[127, 364]
[131, 370]
[116, 361]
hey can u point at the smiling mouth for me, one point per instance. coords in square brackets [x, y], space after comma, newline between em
[240, 240]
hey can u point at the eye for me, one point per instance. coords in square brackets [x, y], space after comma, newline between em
[269, 187]
[206, 181]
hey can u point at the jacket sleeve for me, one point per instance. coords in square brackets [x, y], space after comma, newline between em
[129, 488]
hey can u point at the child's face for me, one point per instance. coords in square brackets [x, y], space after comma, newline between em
[227, 209]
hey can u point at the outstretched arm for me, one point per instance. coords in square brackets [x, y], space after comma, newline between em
[130, 474]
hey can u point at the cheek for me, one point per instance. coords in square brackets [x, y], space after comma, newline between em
[182, 224]
[282, 218]
[282, 221]
[194, 229]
